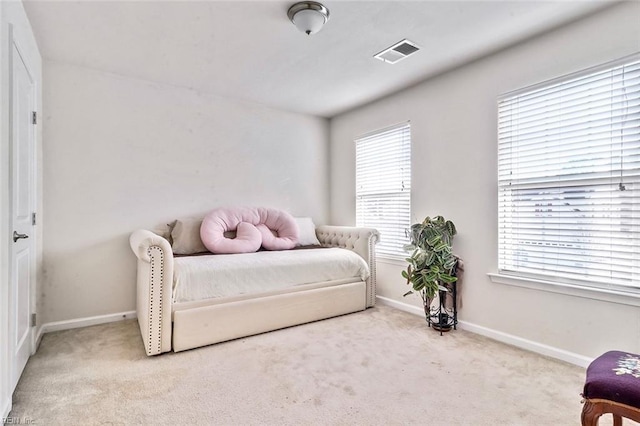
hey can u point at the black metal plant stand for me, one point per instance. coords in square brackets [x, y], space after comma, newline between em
[442, 317]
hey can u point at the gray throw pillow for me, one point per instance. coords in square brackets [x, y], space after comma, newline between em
[186, 237]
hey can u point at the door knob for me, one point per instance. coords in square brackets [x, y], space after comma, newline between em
[17, 236]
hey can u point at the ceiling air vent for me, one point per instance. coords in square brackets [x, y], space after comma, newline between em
[398, 51]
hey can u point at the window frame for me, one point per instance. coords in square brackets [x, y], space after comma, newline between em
[574, 287]
[401, 254]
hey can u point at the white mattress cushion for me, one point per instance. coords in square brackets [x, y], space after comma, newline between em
[224, 275]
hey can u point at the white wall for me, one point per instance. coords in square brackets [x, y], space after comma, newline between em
[453, 123]
[122, 154]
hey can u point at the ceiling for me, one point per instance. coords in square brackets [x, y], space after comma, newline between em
[251, 51]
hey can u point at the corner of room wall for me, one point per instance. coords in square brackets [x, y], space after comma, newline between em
[454, 150]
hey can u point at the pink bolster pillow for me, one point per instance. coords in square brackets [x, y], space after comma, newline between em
[283, 224]
[253, 228]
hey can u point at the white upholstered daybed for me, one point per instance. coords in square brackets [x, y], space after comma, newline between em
[178, 308]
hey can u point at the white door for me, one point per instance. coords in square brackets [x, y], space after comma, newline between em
[22, 148]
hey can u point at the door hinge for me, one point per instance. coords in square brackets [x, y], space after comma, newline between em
[34, 117]
[33, 320]
[33, 218]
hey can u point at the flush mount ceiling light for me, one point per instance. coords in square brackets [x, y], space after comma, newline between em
[308, 16]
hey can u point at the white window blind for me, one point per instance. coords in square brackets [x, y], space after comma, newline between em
[383, 186]
[569, 179]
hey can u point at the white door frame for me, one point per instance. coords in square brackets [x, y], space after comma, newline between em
[5, 215]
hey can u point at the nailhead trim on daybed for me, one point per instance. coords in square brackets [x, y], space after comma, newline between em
[156, 254]
[372, 267]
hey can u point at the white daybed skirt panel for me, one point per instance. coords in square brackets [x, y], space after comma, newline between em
[226, 275]
[217, 323]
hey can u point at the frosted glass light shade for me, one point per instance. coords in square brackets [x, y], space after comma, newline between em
[308, 17]
[308, 21]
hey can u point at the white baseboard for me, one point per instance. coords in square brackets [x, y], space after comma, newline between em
[530, 345]
[415, 310]
[510, 339]
[38, 339]
[82, 322]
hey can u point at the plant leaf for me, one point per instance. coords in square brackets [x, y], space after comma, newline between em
[440, 247]
[434, 240]
[448, 278]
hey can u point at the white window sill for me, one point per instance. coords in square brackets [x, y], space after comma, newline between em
[606, 295]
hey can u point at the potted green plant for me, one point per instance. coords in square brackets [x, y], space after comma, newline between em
[432, 265]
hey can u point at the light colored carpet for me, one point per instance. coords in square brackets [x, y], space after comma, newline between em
[379, 367]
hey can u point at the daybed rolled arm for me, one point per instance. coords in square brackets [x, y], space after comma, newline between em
[360, 240]
[155, 280]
